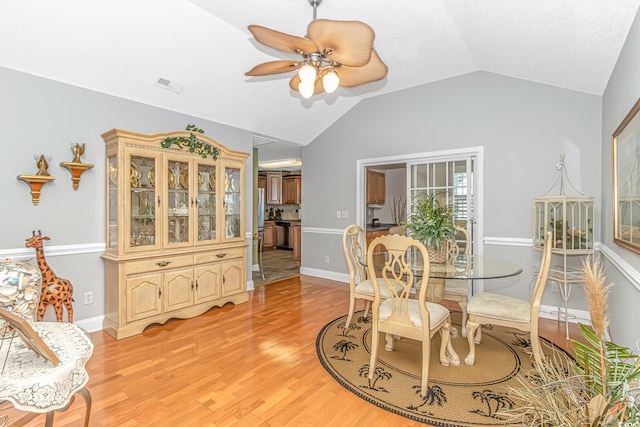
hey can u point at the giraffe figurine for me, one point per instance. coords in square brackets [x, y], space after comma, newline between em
[56, 291]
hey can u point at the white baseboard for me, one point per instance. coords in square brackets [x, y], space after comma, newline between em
[575, 316]
[91, 324]
[324, 274]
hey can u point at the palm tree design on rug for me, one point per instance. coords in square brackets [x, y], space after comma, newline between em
[435, 396]
[520, 340]
[345, 331]
[344, 346]
[362, 319]
[379, 375]
[488, 397]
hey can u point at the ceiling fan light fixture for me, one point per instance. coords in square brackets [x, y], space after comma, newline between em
[307, 74]
[329, 44]
[330, 81]
[306, 89]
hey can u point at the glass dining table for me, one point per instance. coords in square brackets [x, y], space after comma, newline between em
[463, 267]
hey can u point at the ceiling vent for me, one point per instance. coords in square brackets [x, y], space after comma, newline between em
[169, 84]
[262, 140]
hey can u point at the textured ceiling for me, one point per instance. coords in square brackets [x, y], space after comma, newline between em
[122, 48]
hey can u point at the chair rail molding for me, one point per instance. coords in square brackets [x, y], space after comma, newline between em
[623, 266]
[56, 250]
[318, 230]
[508, 241]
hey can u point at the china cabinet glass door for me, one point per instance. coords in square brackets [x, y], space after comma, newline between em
[112, 202]
[232, 205]
[142, 207]
[207, 230]
[178, 202]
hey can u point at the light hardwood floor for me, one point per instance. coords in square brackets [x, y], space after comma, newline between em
[277, 264]
[254, 364]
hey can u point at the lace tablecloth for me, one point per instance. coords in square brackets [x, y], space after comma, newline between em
[33, 384]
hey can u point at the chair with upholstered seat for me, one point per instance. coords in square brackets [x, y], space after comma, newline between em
[502, 310]
[355, 249]
[458, 290]
[400, 315]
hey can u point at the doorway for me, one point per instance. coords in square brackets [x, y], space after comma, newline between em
[279, 224]
[458, 173]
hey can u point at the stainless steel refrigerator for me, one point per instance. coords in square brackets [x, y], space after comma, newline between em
[260, 210]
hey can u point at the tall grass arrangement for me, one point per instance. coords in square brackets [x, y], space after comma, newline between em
[599, 388]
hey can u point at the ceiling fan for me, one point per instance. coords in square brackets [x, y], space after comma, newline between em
[334, 53]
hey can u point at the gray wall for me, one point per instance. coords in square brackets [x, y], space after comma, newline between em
[523, 126]
[622, 266]
[40, 116]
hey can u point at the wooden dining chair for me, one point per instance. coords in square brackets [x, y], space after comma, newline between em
[400, 315]
[510, 312]
[355, 249]
[458, 290]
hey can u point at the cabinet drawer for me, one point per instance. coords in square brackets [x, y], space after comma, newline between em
[159, 264]
[230, 253]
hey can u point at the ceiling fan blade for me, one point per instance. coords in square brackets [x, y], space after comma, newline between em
[295, 80]
[351, 42]
[282, 41]
[273, 67]
[355, 76]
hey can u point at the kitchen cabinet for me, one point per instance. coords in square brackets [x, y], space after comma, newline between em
[375, 187]
[269, 239]
[175, 231]
[295, 236]
[291, 190]
[274, 189]
[262, 182]
[370, 235]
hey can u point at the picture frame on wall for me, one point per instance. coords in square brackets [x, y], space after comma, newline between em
[626, 181]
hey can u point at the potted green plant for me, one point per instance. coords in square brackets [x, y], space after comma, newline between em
[600, 387]
[431, 222]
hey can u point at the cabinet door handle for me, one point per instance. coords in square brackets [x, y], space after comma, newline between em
[158, 201]
[192, 286]
[160, 293]
[196, 285]
[192, 203]
[163, 263]
[224, 279]
[221, 255]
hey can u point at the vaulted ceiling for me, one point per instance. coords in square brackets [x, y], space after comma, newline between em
[203, 47]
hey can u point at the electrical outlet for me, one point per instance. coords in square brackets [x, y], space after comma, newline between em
[554, 287]
[88, 297]
[338, 214]
[345, 214]
[326, 260]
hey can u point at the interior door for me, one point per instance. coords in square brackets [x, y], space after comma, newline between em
[454, 180]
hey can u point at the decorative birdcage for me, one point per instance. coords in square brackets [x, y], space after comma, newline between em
[567, 213]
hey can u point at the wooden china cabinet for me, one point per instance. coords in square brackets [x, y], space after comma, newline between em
[175, 231]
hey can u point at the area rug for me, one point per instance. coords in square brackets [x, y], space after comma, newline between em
[458, 396]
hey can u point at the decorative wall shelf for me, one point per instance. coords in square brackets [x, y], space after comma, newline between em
[76, 170]
[36, 182]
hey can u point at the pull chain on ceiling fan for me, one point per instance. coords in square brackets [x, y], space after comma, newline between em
[334, 53]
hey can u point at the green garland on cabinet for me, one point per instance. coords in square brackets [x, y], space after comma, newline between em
[192, 143]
